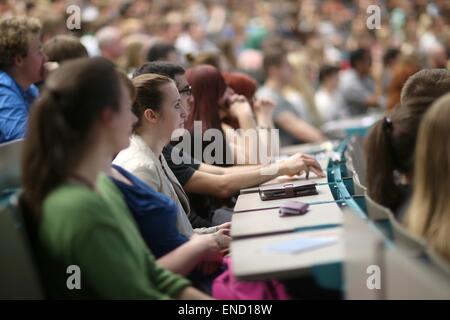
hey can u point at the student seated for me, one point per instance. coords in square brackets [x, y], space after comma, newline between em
[207, 184]
[81, 121]
[239, 119]
[357, 87]
[391, 142]
[160, 111]
[328, 99]
[198, 257]
[429, 213]
[21, 65]
[261, 110]
[288, 119]
[213, 102]
[390, 149]
[156, 215]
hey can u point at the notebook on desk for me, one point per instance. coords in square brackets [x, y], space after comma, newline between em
[287, 190]
[279, 181]
[252, 201]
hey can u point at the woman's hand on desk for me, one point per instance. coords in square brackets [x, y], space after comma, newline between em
[300, 162]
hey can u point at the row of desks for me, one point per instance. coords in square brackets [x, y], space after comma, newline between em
[266, 245]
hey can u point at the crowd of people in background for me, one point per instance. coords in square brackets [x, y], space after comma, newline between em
[332, 64]
[134, 72]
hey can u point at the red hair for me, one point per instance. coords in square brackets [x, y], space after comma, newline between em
[208, 86]
[241, 84]
[402, 71]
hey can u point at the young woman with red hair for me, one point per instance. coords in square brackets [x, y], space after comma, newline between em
[245, 85]
[213, 103]
[262, 109]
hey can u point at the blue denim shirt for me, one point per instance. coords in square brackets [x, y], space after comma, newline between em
[14, 107]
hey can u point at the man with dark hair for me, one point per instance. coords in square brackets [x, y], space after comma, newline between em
[162, 51]
[21, 65]
[167, 69]
[292, 128]
[361, 56]
[204, 180]
[390, 56]
[326, 72]
[327, 98]
[357, 86]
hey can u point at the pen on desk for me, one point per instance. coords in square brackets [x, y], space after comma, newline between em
[307, 173]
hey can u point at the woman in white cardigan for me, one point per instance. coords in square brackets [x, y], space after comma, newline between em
[160, 111]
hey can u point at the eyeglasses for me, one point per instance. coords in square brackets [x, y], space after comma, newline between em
[187, 91]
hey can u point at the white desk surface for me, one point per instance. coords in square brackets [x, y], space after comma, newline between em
[252, 261]
[252, 201]
[263, 222]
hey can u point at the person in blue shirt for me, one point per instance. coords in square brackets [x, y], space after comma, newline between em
[156, 217]
[21, 65]
[154, 212]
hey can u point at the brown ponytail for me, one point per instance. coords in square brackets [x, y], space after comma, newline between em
[61, 123]
[380, 167]
[390, 148]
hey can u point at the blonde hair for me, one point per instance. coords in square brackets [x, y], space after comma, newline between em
[429, 213]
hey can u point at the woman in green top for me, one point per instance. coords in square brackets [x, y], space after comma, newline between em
[87, 242]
